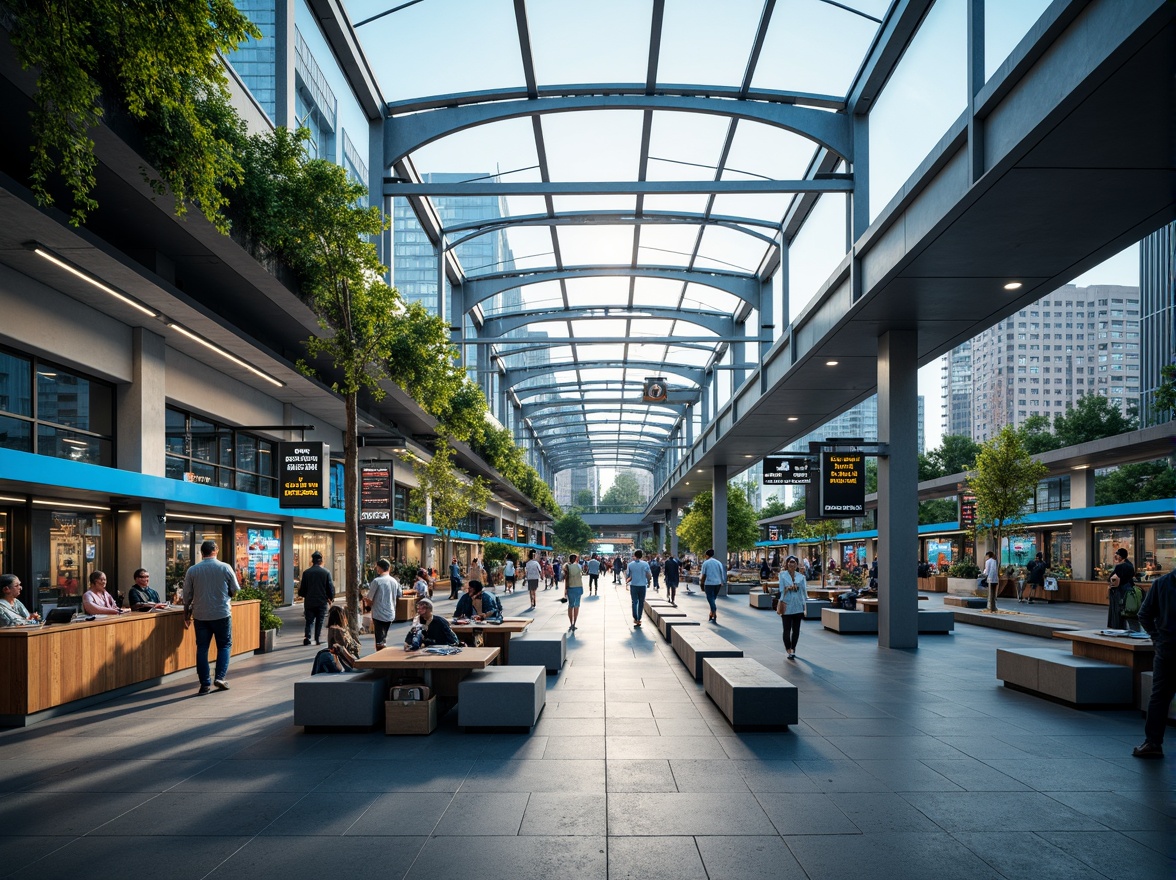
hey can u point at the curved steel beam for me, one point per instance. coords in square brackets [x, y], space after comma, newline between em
[538, 344]
[608, 404]
[718, 322]
[478, 228]
[484, 287]
[404, 134]
[514, 375]
[616, 385]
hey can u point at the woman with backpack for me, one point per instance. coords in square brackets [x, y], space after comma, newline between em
[1122, 580]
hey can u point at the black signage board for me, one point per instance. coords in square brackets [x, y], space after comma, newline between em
[812, 496]
[967, 515]
[780, 470]
[773, 533]
[303, 474]
[375, 493]
[843, 484]
[508, 530]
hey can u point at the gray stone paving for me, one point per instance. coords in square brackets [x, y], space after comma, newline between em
[906, 764]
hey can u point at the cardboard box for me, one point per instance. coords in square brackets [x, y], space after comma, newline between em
[410, 716]
[405, 608]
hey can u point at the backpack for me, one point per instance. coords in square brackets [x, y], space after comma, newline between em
[849, 600]
[1132, 599]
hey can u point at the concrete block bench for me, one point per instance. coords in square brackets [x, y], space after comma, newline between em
[1145, 689]
[761, 600]
[693, 645]
[936, 621]
[500, 697]
[841, 621]
[546, 649]
[966, 601]
[813, 607]
[739, 588]
[340, 700]
[667, 624]
[750, 695]
[1059, 675]
[1023, 623]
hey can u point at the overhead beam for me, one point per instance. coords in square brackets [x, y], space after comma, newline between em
[482, 188]
[514, 375]
[719, 322]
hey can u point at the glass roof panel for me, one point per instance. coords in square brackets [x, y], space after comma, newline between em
[691, 30]
[545, 295]
[603, 291]
[520, 206]
[813, 47]
[607, 353]
[530, 247]
[667, 244]
[685, 204]
[481, 32]
[766, 206]
[601, 145]
[685, 146]
[656, 327]
[496, 147]
[724, 248]
[765, 151]
[565, 204]
[616, 329]
[657, 292]
[699, 296]
[597, 42]
[692, 357]
[596, 245]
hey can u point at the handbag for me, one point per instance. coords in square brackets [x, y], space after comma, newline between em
[1051, 584]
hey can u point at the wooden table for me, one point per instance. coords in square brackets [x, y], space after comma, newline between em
[441, 672]
[871, 604]
[494, 635]
[1136, 654]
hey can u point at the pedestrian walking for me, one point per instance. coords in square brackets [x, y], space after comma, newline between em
[454, 578]
[791, 602]
[383, 592]
[533, 572]
[573, 589]
[593, 575]
[655, 570]
[637, 577]
[318, 593]
[711, 578]
[208, 587]
[1122, 580]
[673, 570]
[1157, 616]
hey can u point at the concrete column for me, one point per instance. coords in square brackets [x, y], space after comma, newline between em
[455, 308]
[142, 409]
[658, 541]
[674, 525]
[898, 480]
[140, 541]
[719, 514]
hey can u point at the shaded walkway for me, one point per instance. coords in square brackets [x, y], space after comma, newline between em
[906, 764]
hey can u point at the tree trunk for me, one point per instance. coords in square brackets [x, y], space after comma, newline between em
[351, 555]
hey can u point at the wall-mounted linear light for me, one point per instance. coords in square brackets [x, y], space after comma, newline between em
[44, 253]
[70, 504]
[229, 356]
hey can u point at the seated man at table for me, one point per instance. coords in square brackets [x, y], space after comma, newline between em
[142, 597]
[478, 605]
[428, 630]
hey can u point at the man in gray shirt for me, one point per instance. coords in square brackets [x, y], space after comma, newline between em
[383, 592]
[208, 587]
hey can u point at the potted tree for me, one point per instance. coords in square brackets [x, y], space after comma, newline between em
[270, 622]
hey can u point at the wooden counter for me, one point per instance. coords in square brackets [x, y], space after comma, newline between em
[46, 667]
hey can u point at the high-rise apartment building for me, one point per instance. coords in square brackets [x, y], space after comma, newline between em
[1041, 360]
[1157, 300]
[956, 378]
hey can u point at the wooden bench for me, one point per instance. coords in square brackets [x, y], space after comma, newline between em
[342, 699]
[751, 696]
[500, 697]
[695, 645]
[667, 624]
[1025, 624]
[1059, 675]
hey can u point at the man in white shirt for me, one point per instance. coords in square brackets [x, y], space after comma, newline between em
[711, 578]
[637, 577]
[383, 592]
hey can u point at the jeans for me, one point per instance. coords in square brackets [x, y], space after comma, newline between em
[711, 593]
[791, 630]
[1163, 690]
[314, 616]
[637, 594]
[206, 631]
[593, 581]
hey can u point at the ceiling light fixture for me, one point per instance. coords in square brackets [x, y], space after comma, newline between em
[831, 363]
[793, 418]
[70, 504]
[46, 254]
[227, 355]
[1014, 285]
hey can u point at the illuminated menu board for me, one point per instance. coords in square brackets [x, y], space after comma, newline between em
[843, 484]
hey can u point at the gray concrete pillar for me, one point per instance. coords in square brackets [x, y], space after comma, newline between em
[719, 515]
[674, 525]
[141, 542]
[142, 408]
[898, 480]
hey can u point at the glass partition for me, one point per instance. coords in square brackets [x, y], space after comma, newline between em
[815, 252]
[1108, 539]
[1158, 554]
[1005, 23]
[926, 93]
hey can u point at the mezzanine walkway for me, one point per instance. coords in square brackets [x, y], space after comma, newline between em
[906, 764]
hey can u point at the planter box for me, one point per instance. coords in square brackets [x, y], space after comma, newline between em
[414, 717]
[934, 584]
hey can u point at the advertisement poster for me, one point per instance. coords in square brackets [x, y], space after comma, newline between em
[939, 554]
[259, 553]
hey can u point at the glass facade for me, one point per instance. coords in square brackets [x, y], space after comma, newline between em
[256, 60]
[182, 549]
[1159, 551]
[62, 414]
[1108, 539]
[67, 546]
[200, 451]
[330, 544]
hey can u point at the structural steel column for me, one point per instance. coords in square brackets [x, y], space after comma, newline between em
[767, 320]
[658, 541]
[674, 526]
[719, 515]
[898, 481]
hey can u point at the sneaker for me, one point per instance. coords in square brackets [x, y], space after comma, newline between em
[1148, 750]
[637, 623]
[204, 689]
[306, 641]
[220, 684]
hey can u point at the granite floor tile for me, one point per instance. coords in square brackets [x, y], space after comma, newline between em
[654, 858]
[640, 775]
[876, 812]
[321, 814]
[566, 775]
[795, 813]
[1116, 812]
[478, 814]
[185, 858]
[707, 776]
[673, 814]
[844, 775]
[901, 856]
[294, 859]
[1113, 855]
[514, 858]
[399, 814]
[748, 858]
[64, 814]
[970, 810]
[556, 814]
[200, 813]
[908, 775]
[1025, 854]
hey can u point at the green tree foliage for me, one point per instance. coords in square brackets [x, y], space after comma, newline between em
[585, 500]
[696, 529]
[956, 454]
[1143, 481]
[624, 493]
[422, 360]
[156, 63]
[1092, 419]
[1036, 435]
[464, 413]
[774, 507]
[451, 494]
[938, 510]
[572, 534]
[1165, 399]
[1003, 482]
[871, 476]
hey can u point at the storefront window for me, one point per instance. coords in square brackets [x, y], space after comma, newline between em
[258, 557]
[1058, 553]
[182, 546]
[941, 553]
[306, 543]
[66, 548]
[1108, 539]
[1159, 551]
[1053, 494]
[3, 542]
[200, 451]
[1017, 550]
